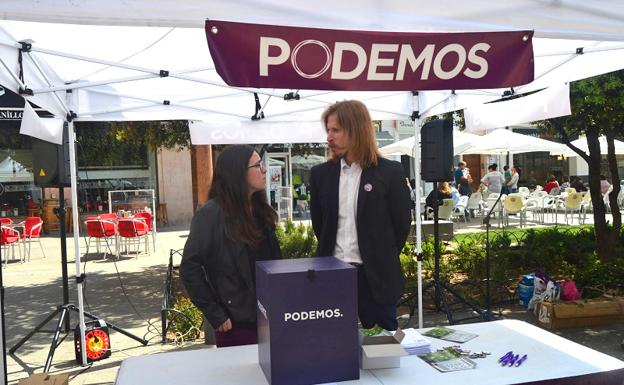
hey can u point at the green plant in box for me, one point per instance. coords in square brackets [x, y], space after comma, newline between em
[186, 320]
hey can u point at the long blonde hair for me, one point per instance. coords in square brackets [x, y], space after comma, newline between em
[444, 187]
[354, 118]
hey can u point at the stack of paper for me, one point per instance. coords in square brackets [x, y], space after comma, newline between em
[415, 343]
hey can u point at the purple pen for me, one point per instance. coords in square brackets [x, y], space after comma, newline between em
[509, 353]
[520, 361]
[513, 359]
[506, 360]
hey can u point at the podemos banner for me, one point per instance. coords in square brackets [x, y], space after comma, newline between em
[268, 56]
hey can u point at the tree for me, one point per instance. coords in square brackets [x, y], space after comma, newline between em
[597, 109]
[170, 134]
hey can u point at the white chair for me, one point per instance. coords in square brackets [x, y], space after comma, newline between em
[524, 191]
[459, 211]
[445, 211]
[586, 204]
[475, 203]
[498, 207]
[536, 204]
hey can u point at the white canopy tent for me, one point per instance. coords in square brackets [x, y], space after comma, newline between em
[581, 143]
[502, 141]
[306, 162]
[157, 65]
[462, 141]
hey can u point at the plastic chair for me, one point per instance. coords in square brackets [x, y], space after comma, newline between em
[572, 204]
[149, 220]
[586, 204]
[99, 229]
[569, 190]
[133, 229]
[514, 204]
[5, 221]
[475, 203]
[9, 238]
[108, 216]
[524, 191]
[537, 203]
[445, 210]
[459, 210]
[555, 191]
[32, 230]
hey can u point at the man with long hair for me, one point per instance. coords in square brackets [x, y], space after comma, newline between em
[233, 230]
[360, 207]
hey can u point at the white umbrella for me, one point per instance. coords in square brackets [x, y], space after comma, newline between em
[13, 171]
[462, 141]
[306, 162]
[581, 143]
[501, 141]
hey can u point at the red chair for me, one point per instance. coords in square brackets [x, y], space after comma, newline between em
[32, 230]
[108, 216]
[9, 238]
[133, 229]
[5, 221]
[149, 219]
[99, 229]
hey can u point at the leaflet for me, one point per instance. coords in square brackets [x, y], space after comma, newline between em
[448, 360]
[449, 334]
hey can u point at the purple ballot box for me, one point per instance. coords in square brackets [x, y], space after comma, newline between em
[307, 321]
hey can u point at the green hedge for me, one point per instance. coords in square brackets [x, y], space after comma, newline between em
[296, 241]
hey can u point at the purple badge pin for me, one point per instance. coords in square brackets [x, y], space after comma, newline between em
[368, 187]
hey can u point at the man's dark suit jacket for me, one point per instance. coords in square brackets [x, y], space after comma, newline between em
[382, 220]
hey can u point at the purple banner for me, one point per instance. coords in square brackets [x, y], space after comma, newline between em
[267, 56]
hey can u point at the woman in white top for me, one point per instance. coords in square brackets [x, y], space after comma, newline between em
[513, 182]
[493, 180]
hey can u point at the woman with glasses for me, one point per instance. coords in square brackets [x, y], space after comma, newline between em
[233, 230]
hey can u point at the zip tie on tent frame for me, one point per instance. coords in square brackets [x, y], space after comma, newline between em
[259, 114]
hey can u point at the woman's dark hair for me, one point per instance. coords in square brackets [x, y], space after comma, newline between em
[244, 219]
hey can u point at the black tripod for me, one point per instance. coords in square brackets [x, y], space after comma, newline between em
[488, 312]
[63, 324]
[440, 286]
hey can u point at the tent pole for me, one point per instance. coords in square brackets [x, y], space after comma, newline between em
[418, 219]
[76, 226]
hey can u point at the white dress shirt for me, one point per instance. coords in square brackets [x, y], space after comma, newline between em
[347, 247]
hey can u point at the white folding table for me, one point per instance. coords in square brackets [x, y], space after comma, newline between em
[551, 360]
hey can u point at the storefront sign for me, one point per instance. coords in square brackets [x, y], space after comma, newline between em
[267, 56]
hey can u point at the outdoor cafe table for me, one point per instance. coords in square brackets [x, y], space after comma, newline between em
[551, 360]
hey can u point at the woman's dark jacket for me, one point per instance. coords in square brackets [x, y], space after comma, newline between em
[216, 270]
[431, 199]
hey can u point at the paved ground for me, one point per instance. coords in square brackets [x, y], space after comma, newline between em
[33, 290]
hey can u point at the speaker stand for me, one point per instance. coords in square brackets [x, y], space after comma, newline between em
[441, 288]
[64, 309]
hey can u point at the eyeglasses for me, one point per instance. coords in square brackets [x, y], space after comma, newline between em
[260, 165]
